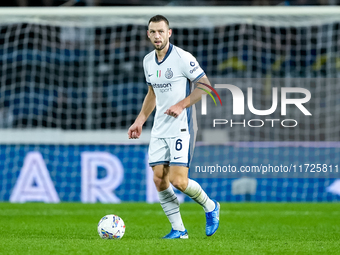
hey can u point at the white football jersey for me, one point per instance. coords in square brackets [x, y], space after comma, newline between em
[172, 80]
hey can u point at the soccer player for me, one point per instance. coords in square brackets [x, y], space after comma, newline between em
[171, 73]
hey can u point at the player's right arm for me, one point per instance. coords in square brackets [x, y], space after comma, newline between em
[149, 105]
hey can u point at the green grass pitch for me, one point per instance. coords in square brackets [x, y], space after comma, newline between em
[245, 228]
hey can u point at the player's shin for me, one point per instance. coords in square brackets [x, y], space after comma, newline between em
[170, 205]
[196, 193]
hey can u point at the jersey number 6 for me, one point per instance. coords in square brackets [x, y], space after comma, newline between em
[178, 144]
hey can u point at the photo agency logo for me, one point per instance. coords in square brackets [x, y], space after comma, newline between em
[238, 106]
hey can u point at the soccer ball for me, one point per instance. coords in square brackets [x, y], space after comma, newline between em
[111, 227]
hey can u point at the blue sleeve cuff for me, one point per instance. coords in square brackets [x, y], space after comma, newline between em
[198, 77]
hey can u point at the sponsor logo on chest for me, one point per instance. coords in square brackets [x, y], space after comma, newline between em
[162, 87]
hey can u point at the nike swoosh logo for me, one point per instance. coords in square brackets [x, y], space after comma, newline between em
[150, 75]
[176, 158]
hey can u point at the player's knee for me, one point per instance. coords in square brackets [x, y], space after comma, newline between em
[160, 182]
[157, 180]
[180, 183]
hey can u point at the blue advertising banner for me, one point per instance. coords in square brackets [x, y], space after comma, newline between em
[116, 173]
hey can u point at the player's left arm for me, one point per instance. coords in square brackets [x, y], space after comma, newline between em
[193, 98]
[192, 71]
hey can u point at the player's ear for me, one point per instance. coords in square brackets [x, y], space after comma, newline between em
[148, 34]
[170, 32]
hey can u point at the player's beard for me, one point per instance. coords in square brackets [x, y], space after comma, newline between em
[161, 47]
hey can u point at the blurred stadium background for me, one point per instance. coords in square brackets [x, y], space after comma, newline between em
[71, 83]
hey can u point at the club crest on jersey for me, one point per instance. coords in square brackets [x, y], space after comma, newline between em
[169, 73]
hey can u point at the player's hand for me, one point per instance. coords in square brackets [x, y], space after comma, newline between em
[174, 110]
[135, 131]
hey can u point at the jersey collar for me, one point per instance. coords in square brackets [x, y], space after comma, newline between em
[166, 55]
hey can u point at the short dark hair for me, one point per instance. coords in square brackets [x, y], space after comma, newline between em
[159, 18]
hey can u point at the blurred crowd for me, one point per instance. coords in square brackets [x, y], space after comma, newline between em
[25, 3]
